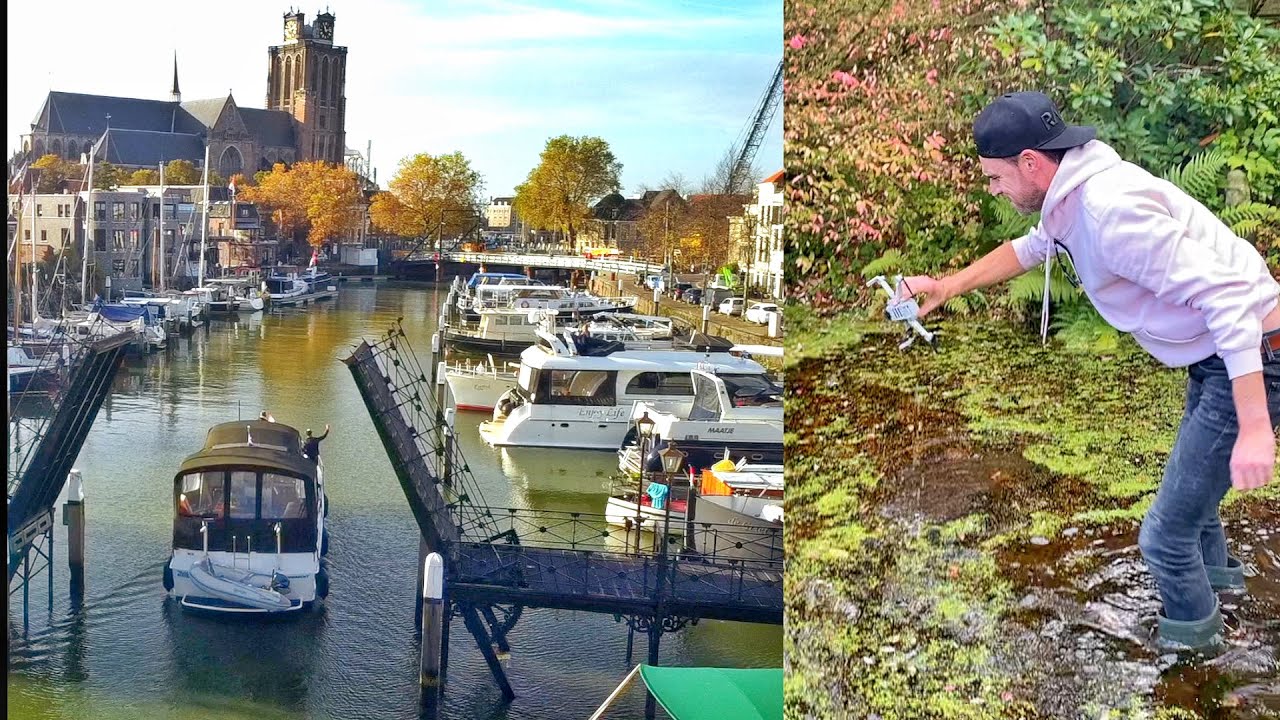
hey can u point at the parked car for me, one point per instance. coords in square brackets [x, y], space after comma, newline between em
[692, 295]
[732, 306]
[760, 312]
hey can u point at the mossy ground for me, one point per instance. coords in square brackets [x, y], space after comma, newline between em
[909, 472]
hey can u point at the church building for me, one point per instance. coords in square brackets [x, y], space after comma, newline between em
[304, 119]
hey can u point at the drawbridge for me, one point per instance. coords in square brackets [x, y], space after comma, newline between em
[499, 561]
[45, 437]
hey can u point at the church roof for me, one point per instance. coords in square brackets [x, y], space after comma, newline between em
[148, 148]
[79, 114]
[204, 112]
[274, 128]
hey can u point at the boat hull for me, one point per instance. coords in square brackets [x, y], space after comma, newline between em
[478, 391]
[622, 512]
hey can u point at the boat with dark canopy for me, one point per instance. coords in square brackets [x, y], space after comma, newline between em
[249, 522]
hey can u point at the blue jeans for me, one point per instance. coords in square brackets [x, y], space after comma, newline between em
[1182, 531]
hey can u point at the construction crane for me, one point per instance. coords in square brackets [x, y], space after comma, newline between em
[753, 134]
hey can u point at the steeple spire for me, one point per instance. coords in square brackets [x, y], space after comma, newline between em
[175, 95]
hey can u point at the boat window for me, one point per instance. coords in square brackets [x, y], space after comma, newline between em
[655, 383]
[706, 401]
[283, 497]
[528, 379]
[201, 494]
[578, 387]
[244, 494]
[752, 390]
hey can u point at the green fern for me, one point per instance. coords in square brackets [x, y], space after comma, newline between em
[1247, 218]
[1028, 288]
[886, 264]
[967, 304]
[1081, 329]
[1201, 177]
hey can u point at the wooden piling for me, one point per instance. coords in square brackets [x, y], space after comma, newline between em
[432, 622]
[73, 518]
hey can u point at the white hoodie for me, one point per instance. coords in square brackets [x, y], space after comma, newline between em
[1154, 261]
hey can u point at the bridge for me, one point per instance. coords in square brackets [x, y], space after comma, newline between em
[43, 447]
[501, 560]
[630, 266]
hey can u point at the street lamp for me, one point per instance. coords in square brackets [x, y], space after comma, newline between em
[644, 428]
[672, 459]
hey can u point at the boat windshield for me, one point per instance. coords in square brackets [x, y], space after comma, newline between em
[752, 390]
[200, 494]
[283, 497]
[706, 399]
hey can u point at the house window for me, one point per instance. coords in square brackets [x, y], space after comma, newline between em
[27, 235]
[59, 211]
[134, 239]
[44, 237]
[117, 267]
[39, 210]
[168, 241]
[155, 210]
[135, 211]
[100, 240]
[117, 238]
[117, 211]
[99, 210]
[133, 268]
[66, 236]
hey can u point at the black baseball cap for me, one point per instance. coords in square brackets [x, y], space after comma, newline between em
[1025, 121]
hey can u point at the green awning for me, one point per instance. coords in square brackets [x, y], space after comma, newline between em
[707, 693]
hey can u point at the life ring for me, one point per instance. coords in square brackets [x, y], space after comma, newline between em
[524, 304]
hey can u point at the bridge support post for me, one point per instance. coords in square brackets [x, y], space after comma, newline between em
[429, 665]
[73, 517]
[499, 634]
[655, 634]
[472, 619]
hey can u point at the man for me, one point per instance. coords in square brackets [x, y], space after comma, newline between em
[311, 448]
[1157, 264]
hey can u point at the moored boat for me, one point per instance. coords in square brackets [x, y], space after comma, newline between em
[249, 530]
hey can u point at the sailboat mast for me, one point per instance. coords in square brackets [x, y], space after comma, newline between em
[88, 215]
[17, 269]
[35, 274]
[161, 232]
[204, 216]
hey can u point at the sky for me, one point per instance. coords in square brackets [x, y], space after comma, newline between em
[669, 84]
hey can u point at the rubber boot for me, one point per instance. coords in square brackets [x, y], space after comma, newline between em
[1230, 577]
[1203, 634]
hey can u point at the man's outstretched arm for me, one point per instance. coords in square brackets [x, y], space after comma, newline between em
[995, 267]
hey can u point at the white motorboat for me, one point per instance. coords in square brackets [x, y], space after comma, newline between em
[566, 303]
[738, 512]
[478, 386]
[571, 395]
[738, 417]
[249, 530]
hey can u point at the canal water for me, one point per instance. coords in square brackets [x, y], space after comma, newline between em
[130, 652]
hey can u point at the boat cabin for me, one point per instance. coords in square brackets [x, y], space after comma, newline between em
[249, 476]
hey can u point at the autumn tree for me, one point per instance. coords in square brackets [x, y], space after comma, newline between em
[143, 177]
[571, 175]
[429, 194]
[311, 199]
[53, 172]
[181, 172]
[106, 176]
[704, 231]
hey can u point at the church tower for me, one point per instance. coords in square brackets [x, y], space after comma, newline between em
[307, 78]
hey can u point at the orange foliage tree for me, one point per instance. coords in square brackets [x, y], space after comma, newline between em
[429, 194]
[314, 199]
[880, 101]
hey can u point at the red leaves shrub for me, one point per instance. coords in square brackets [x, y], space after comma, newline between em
[880, 101]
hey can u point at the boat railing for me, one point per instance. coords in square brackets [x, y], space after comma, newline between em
[719, 543]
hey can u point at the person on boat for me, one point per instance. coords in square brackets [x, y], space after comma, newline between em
[311, 448]
[1158, 264]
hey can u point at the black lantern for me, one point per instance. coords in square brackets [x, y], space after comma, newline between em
[672, 459]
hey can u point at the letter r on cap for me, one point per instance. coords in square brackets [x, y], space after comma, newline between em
[1048, 119]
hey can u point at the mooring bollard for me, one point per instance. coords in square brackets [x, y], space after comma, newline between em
[73, 518]
[447, 461]
[435, 355]
[432, 622]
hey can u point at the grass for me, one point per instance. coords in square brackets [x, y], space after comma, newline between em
[899, 615]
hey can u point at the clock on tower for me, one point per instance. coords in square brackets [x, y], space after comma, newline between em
[291, 28]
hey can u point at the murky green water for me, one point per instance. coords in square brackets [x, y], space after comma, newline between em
[131, 653]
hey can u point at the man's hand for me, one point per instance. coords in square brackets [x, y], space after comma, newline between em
[935, 290]
[1253, 458]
